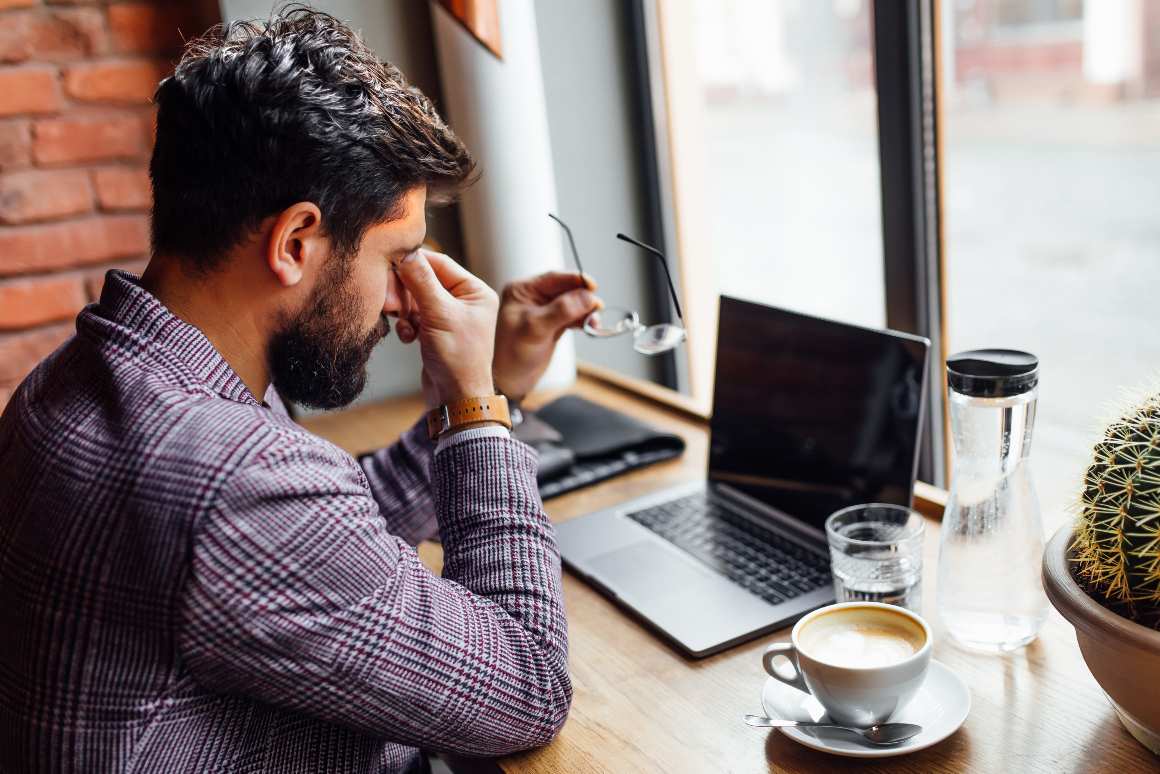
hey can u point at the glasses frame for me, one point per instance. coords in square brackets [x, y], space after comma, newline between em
[632, 317]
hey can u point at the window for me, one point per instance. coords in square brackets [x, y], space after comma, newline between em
[1049, 169]
[790, 151]
[1052, 183]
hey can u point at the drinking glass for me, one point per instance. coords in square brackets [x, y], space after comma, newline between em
[876, 554]
[617, 321]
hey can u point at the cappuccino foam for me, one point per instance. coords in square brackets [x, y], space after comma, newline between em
[861, 638]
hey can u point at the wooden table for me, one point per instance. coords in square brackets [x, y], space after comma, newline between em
[641, 706]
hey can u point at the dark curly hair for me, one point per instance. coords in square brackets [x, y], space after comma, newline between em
[259, 116]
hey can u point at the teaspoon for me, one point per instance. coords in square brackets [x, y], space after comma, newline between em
[882, 734]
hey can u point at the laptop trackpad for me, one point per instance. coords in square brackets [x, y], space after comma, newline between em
[686, 599]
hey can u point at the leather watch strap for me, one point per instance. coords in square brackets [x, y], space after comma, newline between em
[468, 412]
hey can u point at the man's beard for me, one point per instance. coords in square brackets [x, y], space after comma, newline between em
[318, 358]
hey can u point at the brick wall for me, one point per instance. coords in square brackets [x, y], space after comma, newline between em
[76, 128]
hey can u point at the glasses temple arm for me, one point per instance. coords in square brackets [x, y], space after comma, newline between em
[664, 265]
[571, 243]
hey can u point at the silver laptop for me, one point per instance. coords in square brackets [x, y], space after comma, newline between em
[809, 416]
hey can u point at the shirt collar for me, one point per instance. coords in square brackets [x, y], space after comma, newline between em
[136, 319]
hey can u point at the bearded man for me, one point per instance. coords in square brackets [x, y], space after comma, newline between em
[189, 581]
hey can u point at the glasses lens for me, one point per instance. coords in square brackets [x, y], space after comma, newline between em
[656, 339]
[610, 322]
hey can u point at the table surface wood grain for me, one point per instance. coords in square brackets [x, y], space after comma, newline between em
[641, 706]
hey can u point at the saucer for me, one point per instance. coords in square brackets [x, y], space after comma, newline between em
[940, 706]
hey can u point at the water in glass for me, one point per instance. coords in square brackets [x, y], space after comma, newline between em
[876, 554]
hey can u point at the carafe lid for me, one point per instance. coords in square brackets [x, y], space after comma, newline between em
[992, 373]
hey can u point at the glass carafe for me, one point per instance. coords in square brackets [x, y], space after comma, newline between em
[990, 596]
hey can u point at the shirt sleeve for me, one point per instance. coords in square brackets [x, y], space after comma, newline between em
[399, 477]
[450, 439]
[300, 597]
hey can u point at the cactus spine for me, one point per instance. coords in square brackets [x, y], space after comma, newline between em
[1116, 552]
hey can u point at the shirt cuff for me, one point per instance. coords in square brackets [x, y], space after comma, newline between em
[459, 436]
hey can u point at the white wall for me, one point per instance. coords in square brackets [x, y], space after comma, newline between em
[595, 148]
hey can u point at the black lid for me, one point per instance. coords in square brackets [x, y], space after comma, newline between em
[992, 373]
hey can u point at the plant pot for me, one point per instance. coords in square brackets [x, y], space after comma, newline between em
[1123, 656]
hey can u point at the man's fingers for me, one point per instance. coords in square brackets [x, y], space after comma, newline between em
[406, 303]
[456, 279]
[569, 309]
[553, 283]
[420, 280]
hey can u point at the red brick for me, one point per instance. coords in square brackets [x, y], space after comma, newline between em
[72, 243]
[88, 138]
[15, 144]
[25, 303]
[20, 352]
[95, 281]
[123, 188]
[129, 82]
[65, 34]
[153, 28]
[39, 195]
[86, 25]
[31, 89]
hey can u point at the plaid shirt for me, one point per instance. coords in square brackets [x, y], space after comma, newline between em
[191, 582]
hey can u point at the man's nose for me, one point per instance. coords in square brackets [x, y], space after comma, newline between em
[395, 304]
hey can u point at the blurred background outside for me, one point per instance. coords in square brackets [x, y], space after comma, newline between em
[1051, 186]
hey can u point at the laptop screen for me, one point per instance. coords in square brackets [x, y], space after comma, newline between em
[811, 415]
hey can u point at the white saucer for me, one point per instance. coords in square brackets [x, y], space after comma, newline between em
[940, 707]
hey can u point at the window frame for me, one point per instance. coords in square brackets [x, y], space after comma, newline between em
[906, 66]
[906, 70]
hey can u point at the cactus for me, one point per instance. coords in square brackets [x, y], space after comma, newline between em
[1116, 551]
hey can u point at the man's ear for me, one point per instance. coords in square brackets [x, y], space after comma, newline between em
[296, 244]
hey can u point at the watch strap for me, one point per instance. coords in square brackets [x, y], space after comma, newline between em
[466, 413]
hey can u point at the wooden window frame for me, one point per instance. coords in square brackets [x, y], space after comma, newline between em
[906, 65]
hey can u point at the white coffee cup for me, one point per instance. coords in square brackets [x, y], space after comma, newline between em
[860, 660]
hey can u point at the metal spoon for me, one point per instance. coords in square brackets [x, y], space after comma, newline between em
[882, 734]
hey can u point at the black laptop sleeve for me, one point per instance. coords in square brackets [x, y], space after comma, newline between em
[582, 443]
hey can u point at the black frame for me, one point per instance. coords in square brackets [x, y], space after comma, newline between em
[908, 155]
[664, 265]
[640, 85]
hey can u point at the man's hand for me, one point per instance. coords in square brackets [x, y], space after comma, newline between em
[455, 323]
[533, 315]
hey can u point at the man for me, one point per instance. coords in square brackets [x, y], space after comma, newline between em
[191, 582]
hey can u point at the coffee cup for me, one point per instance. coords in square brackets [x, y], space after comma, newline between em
[860, 660]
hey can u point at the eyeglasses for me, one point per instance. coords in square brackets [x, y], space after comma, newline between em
[617, 321]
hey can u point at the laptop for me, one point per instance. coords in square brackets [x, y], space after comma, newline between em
[809, 416]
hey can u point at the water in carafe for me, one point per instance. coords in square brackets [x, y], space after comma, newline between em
[990, 596]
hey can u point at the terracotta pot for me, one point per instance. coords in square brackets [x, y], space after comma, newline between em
[1123, 656]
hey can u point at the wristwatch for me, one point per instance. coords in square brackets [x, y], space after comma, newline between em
[467, 413]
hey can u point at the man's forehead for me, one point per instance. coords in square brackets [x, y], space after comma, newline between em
[408, 229]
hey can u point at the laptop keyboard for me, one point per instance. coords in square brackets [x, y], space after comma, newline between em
[755, 558]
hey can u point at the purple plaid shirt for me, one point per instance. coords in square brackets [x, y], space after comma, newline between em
[189, 581]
